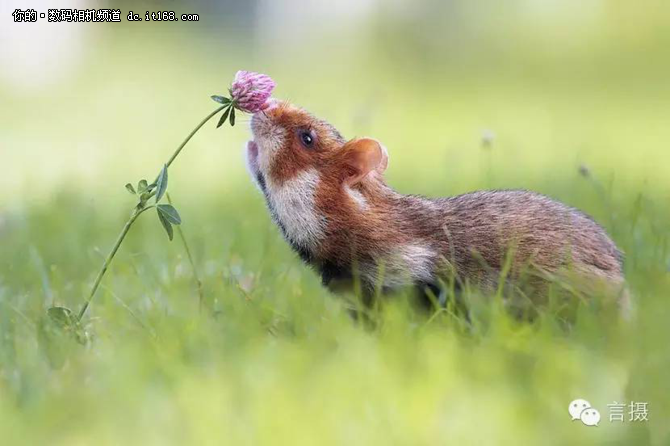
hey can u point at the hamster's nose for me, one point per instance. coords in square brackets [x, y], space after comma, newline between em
[271, 104]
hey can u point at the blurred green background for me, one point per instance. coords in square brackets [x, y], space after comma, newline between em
[465, 95]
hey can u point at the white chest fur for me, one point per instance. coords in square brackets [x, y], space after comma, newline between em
[293, 203]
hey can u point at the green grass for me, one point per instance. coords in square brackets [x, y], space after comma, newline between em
[273, 358]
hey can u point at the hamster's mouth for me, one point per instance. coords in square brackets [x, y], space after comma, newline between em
[252, 157]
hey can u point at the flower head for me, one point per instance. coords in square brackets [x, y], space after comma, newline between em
[250, 91]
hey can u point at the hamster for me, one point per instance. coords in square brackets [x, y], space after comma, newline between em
[330, 201]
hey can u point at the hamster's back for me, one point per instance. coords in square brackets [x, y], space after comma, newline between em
[482, 227]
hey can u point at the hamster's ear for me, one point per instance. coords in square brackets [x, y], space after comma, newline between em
[362, 156]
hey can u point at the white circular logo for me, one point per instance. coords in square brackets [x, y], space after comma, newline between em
[576, 407]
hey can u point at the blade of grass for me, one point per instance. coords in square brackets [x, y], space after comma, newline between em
[196, 277]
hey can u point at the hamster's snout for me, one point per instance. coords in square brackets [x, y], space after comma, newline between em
[267, 133]
[261, 119]
[271, 104]
[259, 123]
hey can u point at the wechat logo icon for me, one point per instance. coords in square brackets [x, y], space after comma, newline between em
[580, 409]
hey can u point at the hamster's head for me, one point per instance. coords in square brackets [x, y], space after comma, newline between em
[288, 142]
[310, 175]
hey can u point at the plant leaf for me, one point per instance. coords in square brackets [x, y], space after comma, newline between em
[142, 186]
[146, 196]
[232, 117]
[166, 224]
[221, 99]
[170, 213]
[65, 322]
[130, 188]
[61, 316]
[54, 341]
[224, 116]
[161, 183]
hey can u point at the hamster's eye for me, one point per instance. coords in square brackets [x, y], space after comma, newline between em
[307, 138]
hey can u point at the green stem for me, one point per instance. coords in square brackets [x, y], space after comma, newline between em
[201, 296]
[195, 130]
[136, 213]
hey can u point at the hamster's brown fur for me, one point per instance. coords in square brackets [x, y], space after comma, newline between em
[331, 202]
